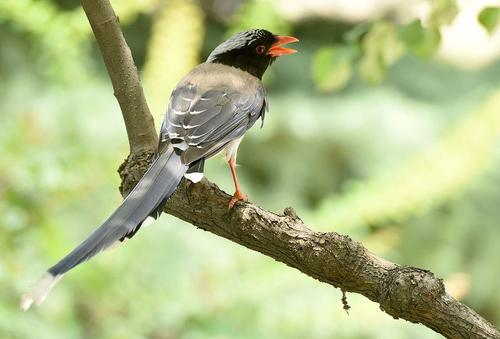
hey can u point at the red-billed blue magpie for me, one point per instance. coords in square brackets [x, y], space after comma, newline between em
[209, 111]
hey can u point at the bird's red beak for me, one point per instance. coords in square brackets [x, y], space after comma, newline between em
[277, 50]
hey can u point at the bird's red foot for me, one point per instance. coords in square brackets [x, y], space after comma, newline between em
[237, 196]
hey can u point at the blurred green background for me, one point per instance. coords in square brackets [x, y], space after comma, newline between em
[385, 127]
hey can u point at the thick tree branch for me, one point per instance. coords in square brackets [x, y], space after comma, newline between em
[403, 292]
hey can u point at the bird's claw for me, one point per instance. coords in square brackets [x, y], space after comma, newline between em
[237, 196]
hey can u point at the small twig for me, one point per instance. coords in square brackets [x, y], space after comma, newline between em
[345, 304]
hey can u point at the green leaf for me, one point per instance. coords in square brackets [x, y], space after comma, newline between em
[381, 48]
[332, 67]
[443, 12]
[354, 35]
[420, 41]
[372, 69]
[490, 18]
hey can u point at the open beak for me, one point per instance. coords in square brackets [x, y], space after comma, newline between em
[277, 48]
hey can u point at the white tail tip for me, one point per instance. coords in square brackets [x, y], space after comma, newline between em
[39, 291]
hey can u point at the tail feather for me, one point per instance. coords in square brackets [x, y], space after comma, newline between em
[39, 291]
[155, 187]
[195, 171]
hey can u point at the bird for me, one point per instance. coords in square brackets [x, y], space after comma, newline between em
[209, 112]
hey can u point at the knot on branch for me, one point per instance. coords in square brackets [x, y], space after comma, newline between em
[133, 168]
[408, 288]
[290, 212]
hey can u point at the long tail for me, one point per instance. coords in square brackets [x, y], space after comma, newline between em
[148, 196]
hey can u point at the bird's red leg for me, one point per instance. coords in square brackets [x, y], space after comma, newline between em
[238, 194]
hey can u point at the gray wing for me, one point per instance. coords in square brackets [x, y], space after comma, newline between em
[200, 123]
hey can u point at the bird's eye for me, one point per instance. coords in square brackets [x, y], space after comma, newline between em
[260, 49]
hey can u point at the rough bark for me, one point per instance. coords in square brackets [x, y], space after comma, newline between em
[403, 292]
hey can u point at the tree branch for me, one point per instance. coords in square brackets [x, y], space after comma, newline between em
[123, 74]
[403, 292]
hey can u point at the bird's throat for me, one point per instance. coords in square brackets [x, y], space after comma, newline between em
[249, 65]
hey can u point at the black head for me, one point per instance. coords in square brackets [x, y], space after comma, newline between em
[252, 51]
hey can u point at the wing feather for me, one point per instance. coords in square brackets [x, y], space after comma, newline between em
[200, 123]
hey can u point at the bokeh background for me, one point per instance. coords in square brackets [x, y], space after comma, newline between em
[385, 127]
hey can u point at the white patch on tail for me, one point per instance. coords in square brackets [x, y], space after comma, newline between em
[194, 177]
[148, 221]
[39, 291]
